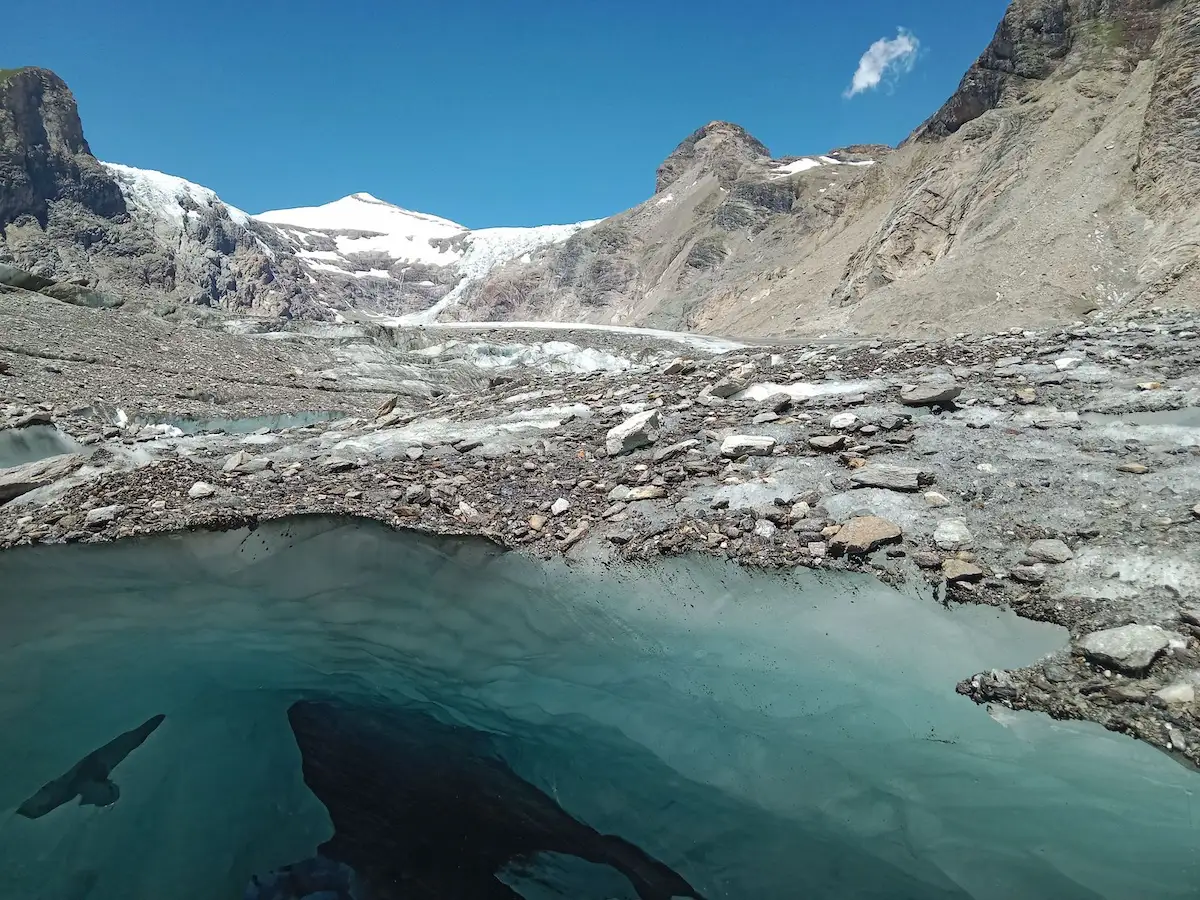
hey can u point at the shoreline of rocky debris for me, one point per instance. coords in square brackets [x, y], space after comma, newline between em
[1009, 469]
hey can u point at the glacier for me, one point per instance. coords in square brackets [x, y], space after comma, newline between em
[33, 442]
[759, 735]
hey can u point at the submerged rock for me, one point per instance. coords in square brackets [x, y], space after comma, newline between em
[310, 879]
[433, 807]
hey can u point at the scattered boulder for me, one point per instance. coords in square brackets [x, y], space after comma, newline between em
[574, 536]
[889, 477]
[387, 406]
[236, 460]
[828, 443]
[842, 421]
[1133, 468]
[640, 430]
[955, 570]
[103, 515]
[931, 393]
[200, 490]
[863, 535]
[936, 500]
[927, 559]
[1035, 574]
[560, 506]
[1177, 694]
[417, 494]
[747, 445]
[679, 366]
[662, 454]
[727, 387]
[1051, 551]
[953, 534]
[243, 463]
[646, 492]
[37, 417]
[779, 403]
[765, 528]
[1129, 649]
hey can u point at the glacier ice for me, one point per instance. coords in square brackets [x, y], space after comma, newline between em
[25, 445]
[763, 736]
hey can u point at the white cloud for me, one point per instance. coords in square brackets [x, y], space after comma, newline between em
[885, 57]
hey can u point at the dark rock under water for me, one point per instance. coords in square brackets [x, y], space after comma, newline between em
[565, 731]
[426, 810]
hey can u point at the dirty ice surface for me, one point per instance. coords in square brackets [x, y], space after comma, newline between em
[765, 737]
[25, 445]
[700, 342]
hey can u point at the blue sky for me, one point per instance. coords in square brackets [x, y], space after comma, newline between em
[488, 112]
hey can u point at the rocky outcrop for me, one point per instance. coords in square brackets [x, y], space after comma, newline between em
[66, 291]
[1034, 40]
[43, 155]
[719, 148]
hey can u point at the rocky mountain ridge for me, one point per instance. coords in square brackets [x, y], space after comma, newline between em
[148, 236]
[1061, 177]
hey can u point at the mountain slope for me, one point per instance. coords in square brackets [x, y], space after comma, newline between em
[1060, 177]
[177, 247]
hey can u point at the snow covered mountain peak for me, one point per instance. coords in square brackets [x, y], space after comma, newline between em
[363, 212]
[355, 253]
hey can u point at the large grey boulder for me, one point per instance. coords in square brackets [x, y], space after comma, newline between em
[930, 393]
[1050, 550]
[1129, 649]
[747, 445]
[863, 535]
[640, 430]
[887, 476]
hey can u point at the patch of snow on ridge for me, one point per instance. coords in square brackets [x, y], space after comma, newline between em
[167, 196]
[360, 212]
[808, 162]
[799, 165]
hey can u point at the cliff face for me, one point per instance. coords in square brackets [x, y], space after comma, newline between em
[43, 154]
[1035, 40]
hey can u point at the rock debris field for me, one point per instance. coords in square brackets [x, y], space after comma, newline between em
[1054, 472]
